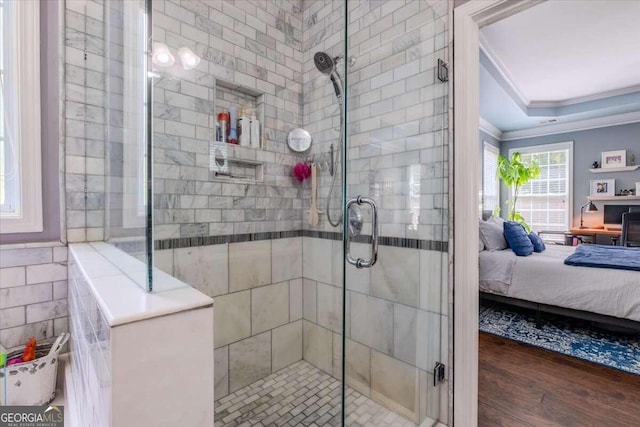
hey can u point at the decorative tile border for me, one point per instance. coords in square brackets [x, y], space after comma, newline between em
[398, 242]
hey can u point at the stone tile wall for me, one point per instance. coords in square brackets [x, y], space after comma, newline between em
[254, 47]
[396, 325]
[84, 95]
[33, 292]
[397, 121]
[257, 289]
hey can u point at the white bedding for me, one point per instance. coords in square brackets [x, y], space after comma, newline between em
[544, 278]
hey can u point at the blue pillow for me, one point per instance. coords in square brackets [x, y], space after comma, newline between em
[538, 244]
[517, 238]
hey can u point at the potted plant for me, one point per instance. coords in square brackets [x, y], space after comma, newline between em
[515, 173]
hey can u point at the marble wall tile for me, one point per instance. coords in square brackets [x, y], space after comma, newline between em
[433, 280]
[249, 265]
[27, 256]
[286, 345]
[317, 259]
[203, 267]
[396, 276]
[359, 279]
[309, 300]
[10, 317]
[395, 384]
[329, 305]
[232, 318]
[317, 346]
[249, 360]
[269, 307]
[337, 263]
[295, 299]
[163, 260]
[23, 295]
[418, 336]
[46, 310]
[46, 273]
[12, 276]
[358, 360]
[221, 371]
[286, 259]
[371, 321]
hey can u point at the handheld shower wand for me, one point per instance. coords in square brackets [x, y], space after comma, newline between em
[327, 65]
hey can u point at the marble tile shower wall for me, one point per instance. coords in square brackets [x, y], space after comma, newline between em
[33, 292]
[84, 128]
[396, 324]
[252, 44]
[397, 108]
[257, 288]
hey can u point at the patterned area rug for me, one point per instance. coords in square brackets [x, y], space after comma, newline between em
[562, 335]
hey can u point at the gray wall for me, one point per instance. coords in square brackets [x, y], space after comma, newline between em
[587, 148]
[50, 112]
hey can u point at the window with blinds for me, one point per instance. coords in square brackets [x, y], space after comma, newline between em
[546, 201]
[490, 182]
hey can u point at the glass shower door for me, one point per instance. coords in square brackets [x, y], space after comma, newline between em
[396, 269]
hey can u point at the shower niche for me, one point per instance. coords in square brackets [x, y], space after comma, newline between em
[232, 161]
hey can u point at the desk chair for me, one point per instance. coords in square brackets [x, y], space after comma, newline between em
[630, 229]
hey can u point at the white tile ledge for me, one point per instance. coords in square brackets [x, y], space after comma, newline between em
[120, 298]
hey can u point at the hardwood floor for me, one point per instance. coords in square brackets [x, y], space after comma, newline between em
[521, 386]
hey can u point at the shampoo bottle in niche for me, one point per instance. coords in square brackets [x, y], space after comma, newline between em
[223, 121]
[233, 126]
[255, 130]
[244, 128]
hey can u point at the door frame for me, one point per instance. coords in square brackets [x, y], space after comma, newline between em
[467, 21]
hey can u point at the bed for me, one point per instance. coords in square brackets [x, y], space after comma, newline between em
[543, 282]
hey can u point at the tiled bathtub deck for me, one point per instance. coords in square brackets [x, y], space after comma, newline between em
[300, 395]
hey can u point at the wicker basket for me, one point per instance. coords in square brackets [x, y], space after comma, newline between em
[32, 383]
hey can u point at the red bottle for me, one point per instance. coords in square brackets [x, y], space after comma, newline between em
[223, 121]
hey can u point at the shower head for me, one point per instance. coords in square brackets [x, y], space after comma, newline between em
[324, 63]
[327, 65]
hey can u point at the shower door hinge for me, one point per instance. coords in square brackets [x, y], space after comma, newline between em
[438, 374]
[443, 71]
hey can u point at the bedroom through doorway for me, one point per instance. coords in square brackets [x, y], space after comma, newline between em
[558, 181]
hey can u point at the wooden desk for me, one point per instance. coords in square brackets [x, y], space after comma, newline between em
[595, 231]
[593, 234]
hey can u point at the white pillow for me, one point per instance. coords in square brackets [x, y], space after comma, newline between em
[492, 235]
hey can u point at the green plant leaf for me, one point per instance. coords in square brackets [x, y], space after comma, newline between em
[515, 173]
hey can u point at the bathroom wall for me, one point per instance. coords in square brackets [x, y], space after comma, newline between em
[257, 288]
[84, 120]
[397, 324]
[256, 48]
[33, 292]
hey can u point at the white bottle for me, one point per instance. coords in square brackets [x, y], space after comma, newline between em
[255, 131]
[244, 128]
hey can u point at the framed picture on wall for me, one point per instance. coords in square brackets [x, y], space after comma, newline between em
[603, 187]
[614, 159]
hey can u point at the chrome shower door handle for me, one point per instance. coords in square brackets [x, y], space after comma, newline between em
[359, 262]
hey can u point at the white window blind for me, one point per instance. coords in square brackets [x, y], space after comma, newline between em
[20, 150]
[546, 201]
[490, 182]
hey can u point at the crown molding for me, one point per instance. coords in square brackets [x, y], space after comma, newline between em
[487, 127]
[557, 128]
[504, 79]
[582, 99]
[501, 73]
